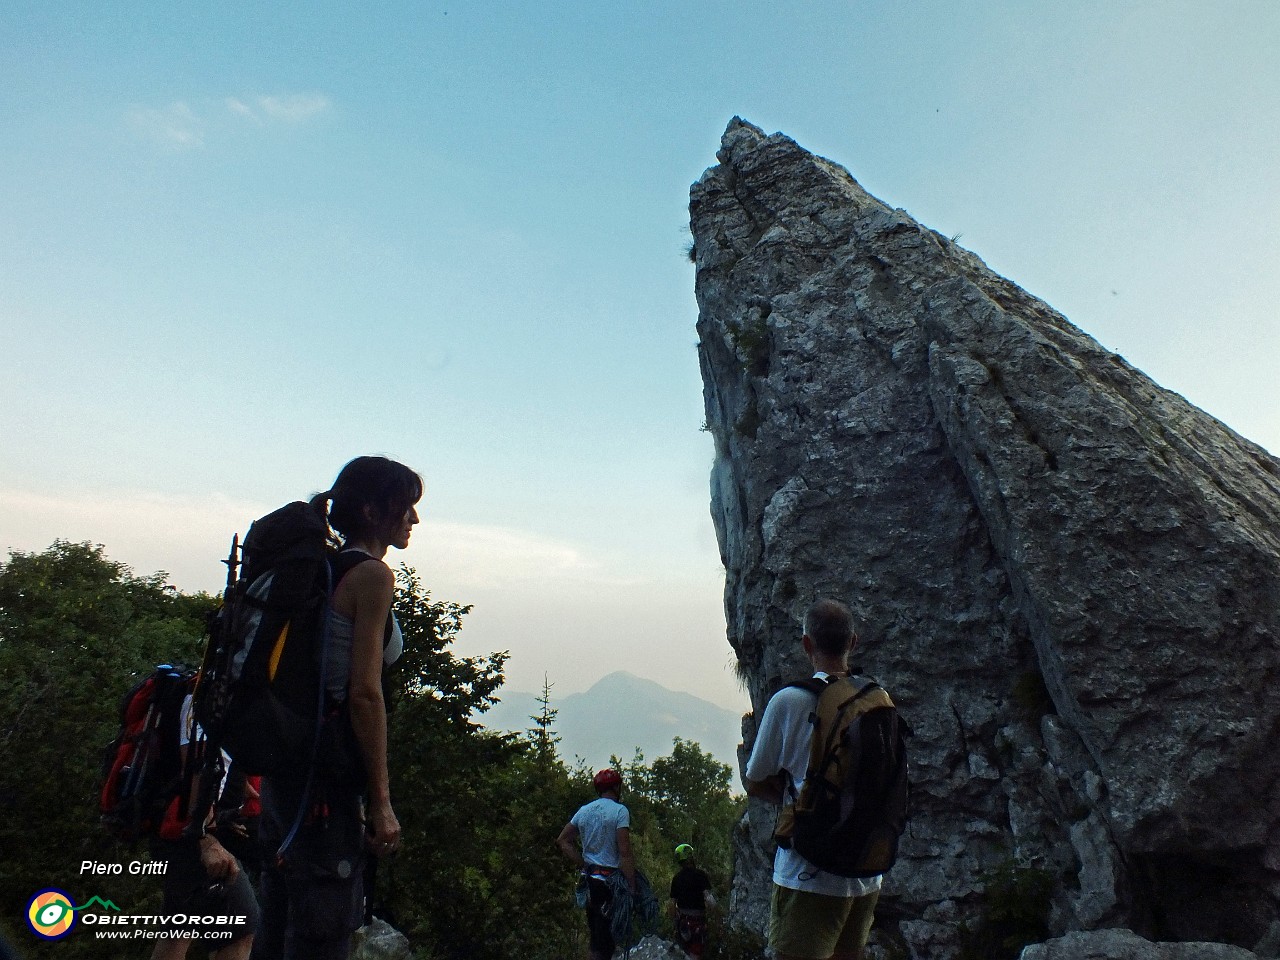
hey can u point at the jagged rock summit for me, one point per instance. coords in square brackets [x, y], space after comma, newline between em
[1067, 576]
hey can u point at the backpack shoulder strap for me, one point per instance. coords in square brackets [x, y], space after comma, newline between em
[342, 563]
[848, 697]
[874, 694]
[814, 685]
[345, 561]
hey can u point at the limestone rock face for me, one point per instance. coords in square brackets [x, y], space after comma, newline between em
[1067, 576]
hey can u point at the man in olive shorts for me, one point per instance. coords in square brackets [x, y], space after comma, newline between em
[814, 915]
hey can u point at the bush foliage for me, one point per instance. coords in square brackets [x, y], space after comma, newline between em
[77, 631]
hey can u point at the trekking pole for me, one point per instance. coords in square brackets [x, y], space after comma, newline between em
[204, 754]
[226, 612]
[211, 681]
[141, 753]
[232, 561]
[149, 736]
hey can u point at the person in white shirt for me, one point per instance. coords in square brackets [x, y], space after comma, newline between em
[604, 829]
[813, 915]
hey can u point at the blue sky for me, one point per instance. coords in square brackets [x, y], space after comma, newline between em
[245, 242]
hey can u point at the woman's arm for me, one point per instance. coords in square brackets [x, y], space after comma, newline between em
[373, 586]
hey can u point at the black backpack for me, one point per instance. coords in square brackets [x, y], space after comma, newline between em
[143, 772]
[853, 807]
[260, 695]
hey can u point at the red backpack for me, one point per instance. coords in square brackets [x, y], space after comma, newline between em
[144, 778]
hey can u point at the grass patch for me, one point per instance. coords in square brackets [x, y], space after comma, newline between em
[1015, 912]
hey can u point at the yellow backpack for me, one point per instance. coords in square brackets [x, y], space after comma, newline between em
[853, 807]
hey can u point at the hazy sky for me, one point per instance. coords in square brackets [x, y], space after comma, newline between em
[244, 242]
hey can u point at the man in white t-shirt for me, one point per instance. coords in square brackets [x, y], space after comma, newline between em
[813, 915]
[603, 827]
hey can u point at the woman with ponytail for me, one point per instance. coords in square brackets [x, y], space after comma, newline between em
[312, 897]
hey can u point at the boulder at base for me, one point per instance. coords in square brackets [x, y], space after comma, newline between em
[1126, 945]
[380, 941]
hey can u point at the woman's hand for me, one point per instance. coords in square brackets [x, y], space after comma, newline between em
[384, 837]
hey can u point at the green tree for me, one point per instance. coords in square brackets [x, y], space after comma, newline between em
[76, 632]
[542, 734]
[690, 790]
[479, 875]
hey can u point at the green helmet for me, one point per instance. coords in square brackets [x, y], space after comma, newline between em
[684, 852]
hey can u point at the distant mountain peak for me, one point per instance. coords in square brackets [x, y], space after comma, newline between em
[620, 713]
[626, 680]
